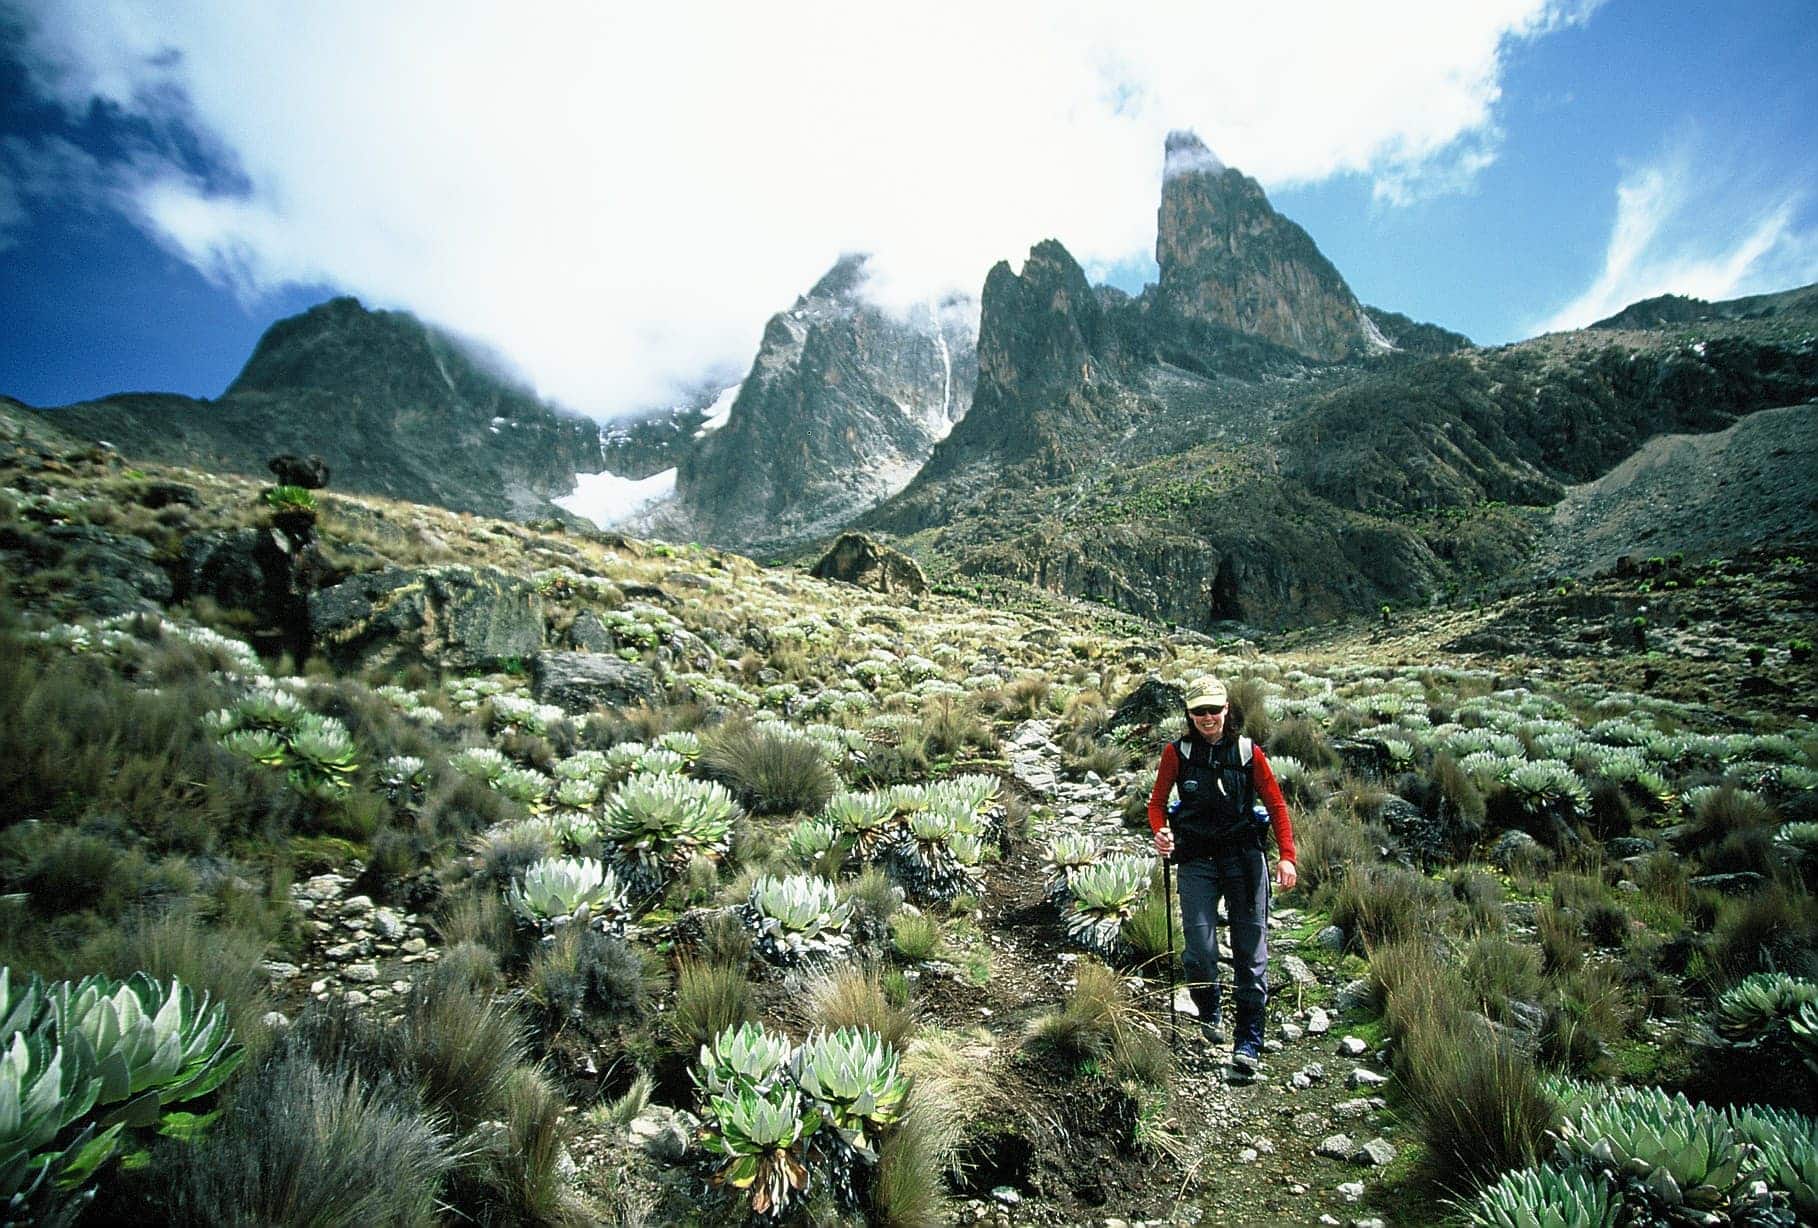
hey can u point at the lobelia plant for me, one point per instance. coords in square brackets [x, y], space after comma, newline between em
[659, 821]
[560, 891]
[1545, 1198]
[1759, 1007]
[1067, 855]
[742, 1057]
[869, 818]
[1105, 893]
[851, 1076]
[1674, 1156]
[762, 1136]
[798, 920]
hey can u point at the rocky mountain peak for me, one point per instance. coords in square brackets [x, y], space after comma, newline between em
[1227, 257]
[1184, 153]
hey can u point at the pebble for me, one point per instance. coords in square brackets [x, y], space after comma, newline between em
[1353, 1046]
[414, 946]
[1378, 1153]
[1359, 1107]
[1247, 1156]
[1351, 1191]
[1367, 1078]
[1007, 1194]
[1292, 1031]
[1355, 994]
[1297, 970]
[366, 974]
[1318, 1022]
[1331, 938]
[356, 998]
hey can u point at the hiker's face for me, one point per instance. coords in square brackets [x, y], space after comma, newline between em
[1210, 722]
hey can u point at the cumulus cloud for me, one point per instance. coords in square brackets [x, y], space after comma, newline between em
[1690, 222]
[617, 196]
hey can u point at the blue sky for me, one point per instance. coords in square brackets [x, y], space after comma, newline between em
[617, 201]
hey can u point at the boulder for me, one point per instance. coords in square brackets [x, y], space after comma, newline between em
[579, 682]
[858, 559]
[1150, 704]
[453, 617]
[225, 567]
[309, 472]
[118, 572]
[588, 634]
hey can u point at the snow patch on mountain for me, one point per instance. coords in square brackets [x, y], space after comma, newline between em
[608, 499]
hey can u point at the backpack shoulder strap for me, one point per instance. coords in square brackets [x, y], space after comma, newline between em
[1246, 751]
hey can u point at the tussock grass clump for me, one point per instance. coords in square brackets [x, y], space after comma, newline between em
[950, 728]
[461, 1050]
[772, 772]
[515, 1176]
[1249, 713]
[1772, 930]
[1561, 938]
[1593, 1008]
[1478, 1104]
[1304, 740]
[1329, 842]
[1721, 812]
[581, 973]
[709, 998]
[1499, 972]
[1099, 1022]
[916, 935]
[854, 996]
[874, 900]
[479, 916]
[1482, 896]
[1376, 904]
[312, 1147]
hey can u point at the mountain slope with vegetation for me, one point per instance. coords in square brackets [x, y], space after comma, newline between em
[545, 877]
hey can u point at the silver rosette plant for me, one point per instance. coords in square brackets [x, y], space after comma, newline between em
[1067, 855]
[657, 822]
[1105, 893]
[798, 920]
[561, 891]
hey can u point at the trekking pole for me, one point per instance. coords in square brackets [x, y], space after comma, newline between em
[1168, 907]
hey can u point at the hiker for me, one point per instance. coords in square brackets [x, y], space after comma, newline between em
[1214, 835]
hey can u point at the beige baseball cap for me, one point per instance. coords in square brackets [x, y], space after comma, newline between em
[1208, 692]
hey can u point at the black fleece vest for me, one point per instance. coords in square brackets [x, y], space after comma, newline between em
[1217, 798]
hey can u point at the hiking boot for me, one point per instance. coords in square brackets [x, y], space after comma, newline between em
[1212, 1028]
[1244, 1061]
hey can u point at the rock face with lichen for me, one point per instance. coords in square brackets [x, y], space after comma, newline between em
[1227, 257]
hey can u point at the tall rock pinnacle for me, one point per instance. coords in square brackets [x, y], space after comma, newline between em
[1229, 258]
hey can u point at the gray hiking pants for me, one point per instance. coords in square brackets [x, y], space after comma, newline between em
[1240, 878]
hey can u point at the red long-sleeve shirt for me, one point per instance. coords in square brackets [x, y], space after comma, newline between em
[1266, 789]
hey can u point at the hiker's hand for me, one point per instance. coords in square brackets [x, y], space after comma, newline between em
[1286, 876]
[1164, 842]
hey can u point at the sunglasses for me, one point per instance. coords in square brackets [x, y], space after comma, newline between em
[1205, 711]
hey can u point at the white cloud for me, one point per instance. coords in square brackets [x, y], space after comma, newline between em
[617, 196]
[1691, 223]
